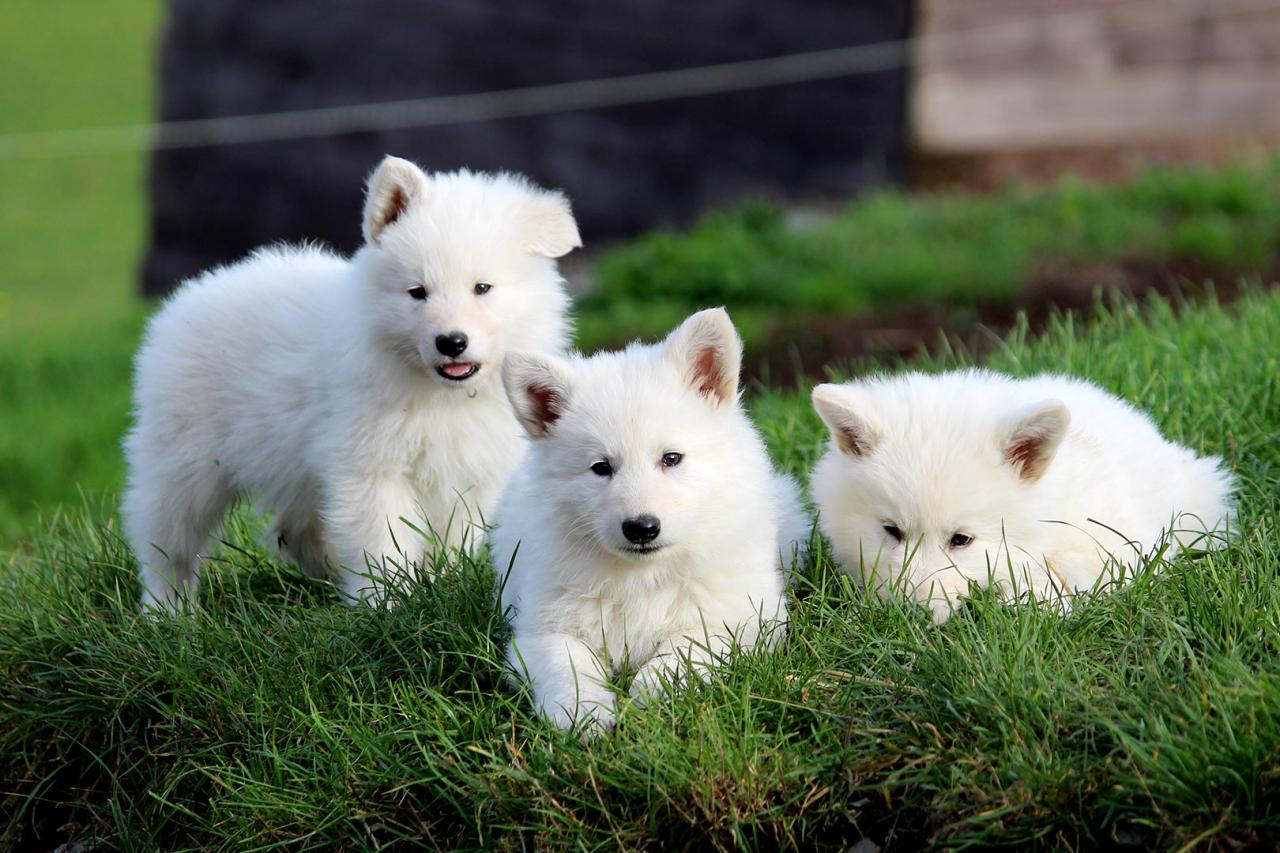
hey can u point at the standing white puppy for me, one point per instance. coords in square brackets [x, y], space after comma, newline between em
[356, 398]
[645, 527]
[1038, 485]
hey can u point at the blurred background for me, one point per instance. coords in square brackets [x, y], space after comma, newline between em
[853, 179]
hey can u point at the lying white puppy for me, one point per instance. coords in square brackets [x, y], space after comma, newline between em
[355, 398]
[1038, 485]
[645, 527]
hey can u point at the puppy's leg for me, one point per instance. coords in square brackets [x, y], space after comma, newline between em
[302, 541]
[458, 523]
[305, 544]
[168, 520]
[692, 655]
[369, 522]
[569, 681]
[1043, 581]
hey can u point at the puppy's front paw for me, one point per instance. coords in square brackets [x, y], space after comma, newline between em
[359, 590]
[649, 680]
[593, 718]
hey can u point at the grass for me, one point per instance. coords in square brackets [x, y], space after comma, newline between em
[962, 250]
[274, 715]
[71, 234]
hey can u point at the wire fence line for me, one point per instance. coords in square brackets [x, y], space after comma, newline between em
[652, 87]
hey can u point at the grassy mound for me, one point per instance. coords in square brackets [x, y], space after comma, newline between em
[1151, 717]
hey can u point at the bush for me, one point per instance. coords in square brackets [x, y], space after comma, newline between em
[957, 250]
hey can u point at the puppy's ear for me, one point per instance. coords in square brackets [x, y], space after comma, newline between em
[538, 387]
[547, 224]
[1031, 437]
[707, 349]
[849, 416]
[392, 188]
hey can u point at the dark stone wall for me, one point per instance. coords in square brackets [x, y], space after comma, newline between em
[625, 168]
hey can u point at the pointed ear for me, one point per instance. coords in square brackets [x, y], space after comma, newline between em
[1031, 437]
[538, 387]
[707, 349]
[547, 224]
[848, 414]
[391, 189]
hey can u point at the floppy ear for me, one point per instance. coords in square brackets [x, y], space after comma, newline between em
[391, 189]
[1032, 436]
[547, 224]
[707, 349]
[850, 420]
[538, 387]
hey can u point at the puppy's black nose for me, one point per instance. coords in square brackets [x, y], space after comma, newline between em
[641, 529]
[452, 344]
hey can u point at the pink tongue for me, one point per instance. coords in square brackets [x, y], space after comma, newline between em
[461, 369]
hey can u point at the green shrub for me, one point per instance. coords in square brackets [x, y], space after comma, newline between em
[962, 250]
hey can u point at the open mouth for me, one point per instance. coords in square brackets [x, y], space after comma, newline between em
[457, 371]
[642, 550]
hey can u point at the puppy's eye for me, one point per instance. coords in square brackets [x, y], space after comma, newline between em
[602, 468]
[960, 540]
[483, 287]
[671, 460]
[894, 532]
[418, 292]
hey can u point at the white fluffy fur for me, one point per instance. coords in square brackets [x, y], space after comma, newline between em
[1051, 476]
[584, 606]
[309, 381]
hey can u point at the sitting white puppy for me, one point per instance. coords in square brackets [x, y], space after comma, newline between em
[1039, 485]
[644, 528]
[357, 399]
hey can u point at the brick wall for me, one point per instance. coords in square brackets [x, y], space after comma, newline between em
[1093, 73]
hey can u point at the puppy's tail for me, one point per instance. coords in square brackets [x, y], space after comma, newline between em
[1210, 513]
[794, 524]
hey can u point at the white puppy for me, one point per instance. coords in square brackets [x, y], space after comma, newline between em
[357, 399]
[645, 527]
[1039, 485]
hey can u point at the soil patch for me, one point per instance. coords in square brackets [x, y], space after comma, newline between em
[805, 346]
